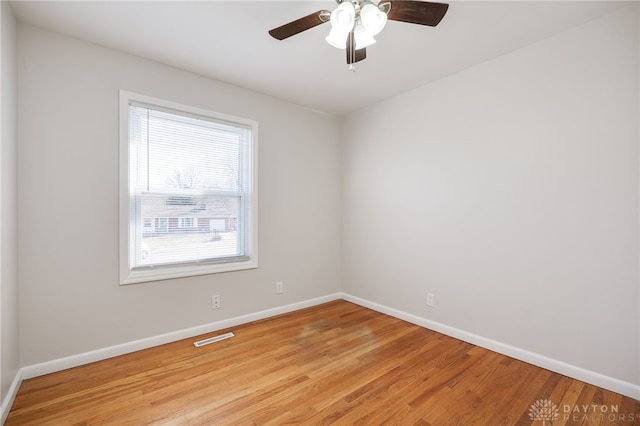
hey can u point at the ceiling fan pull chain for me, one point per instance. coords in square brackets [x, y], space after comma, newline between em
[351, 51]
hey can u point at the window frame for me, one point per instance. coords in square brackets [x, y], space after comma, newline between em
[131, 275]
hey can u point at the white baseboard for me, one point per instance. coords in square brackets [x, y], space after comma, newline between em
[36, 370]
[7, 402]
[597, 379]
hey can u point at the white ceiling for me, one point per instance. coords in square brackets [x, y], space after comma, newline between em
[228, 41]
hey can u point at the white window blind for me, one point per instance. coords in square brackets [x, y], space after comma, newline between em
[190, 191]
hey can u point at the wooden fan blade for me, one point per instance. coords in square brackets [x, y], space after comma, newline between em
[417, 12]
[354, 55]
[300, 25]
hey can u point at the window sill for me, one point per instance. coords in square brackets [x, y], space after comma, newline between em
[172, 272]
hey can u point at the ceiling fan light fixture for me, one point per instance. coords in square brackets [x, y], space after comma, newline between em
[363, 37]
[337, 38]
[343, 17]
[372, 18]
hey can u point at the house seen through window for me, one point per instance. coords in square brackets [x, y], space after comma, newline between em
[190, 191]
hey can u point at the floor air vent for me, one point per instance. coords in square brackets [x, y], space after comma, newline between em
[213, 339]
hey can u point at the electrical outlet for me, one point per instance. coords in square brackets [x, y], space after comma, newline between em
[215, 302]
[279, 287]
[431, 299]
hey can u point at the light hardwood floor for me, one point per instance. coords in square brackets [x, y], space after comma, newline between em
[337, 363]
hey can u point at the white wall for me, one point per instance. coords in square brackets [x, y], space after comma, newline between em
[9, 348]
[510, 191]
[68, 202]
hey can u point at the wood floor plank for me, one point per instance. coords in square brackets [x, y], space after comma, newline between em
[336, 363]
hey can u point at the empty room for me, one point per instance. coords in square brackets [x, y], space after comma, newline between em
[320, 212]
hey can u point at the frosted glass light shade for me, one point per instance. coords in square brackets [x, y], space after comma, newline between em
[337, 38]
[363, 37]
[343, 17]
[372, 18]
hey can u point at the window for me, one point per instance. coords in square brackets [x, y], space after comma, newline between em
[187, 222]
[188, 191]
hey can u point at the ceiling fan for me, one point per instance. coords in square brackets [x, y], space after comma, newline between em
[354, 23]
